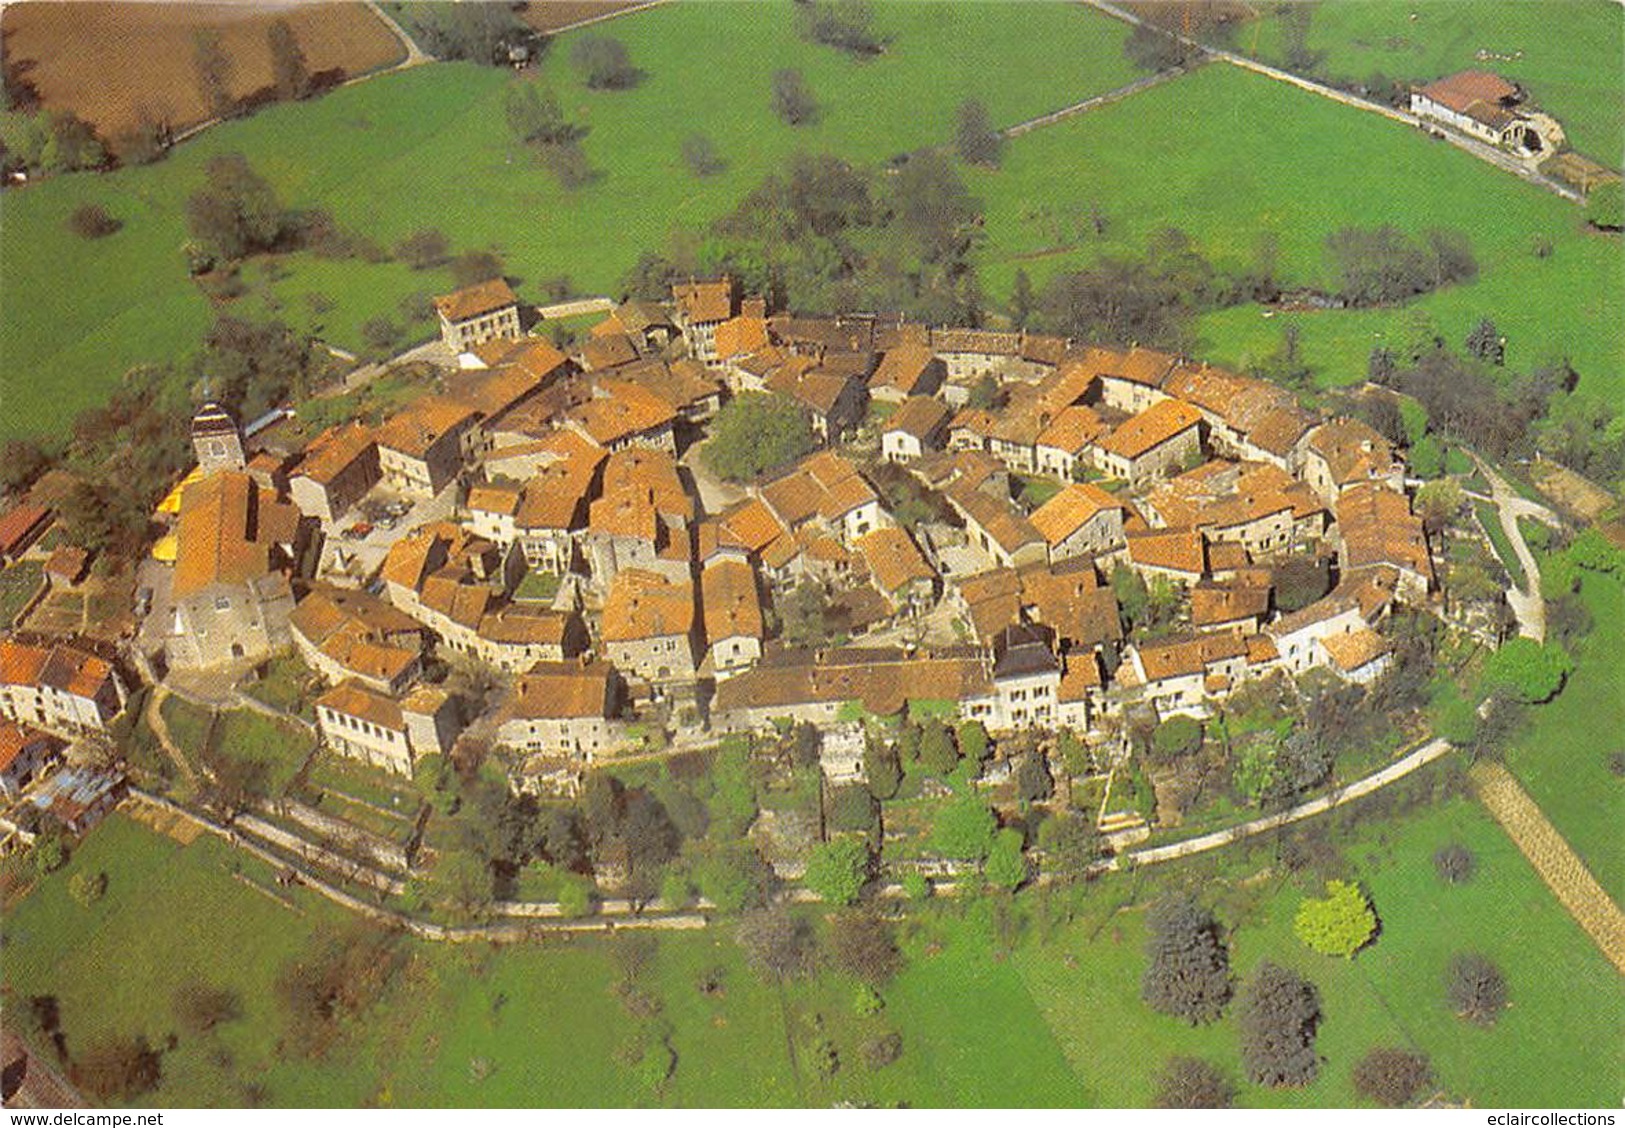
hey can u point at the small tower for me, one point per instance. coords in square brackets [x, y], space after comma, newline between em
[217, 440]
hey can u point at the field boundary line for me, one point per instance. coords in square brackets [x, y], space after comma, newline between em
[1559, 867]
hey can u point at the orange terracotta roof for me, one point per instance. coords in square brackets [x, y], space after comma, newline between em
[1175, 550]
[515, 627]
[643, 605]
[59, 666]
[1184, 657]
[603, 351]
[556, 497]
[998, 517]
[334, 451]
[733, 609]
[15, 738]
[904, 368]
[415, 431]
[1353, 451]
[495, 390]
[1465, 89]
[1082, 675]
[701, 302]
[227, 529]
[494, 499]
[1216, 604]
[824, 484]
[1070, 509]
[562, 690]
[18, 525]
[620, 410]
[1377, 527]
[1226, 495]
[1349, 652]
[739, 336]
[750, 525]
[1073, 429]
[1140, 366]
[894, 560]
[920, 416]
[472, 301]
[1151, 428]
[353, 699]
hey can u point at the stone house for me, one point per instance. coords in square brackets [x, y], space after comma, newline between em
[1163, 438]
[346, 635]
[1345, 453]
[898, 569]
[1081, 519]
[476, 314]
[424, 447]
[1482, 105]
[699, 308]
[1066, 443]
[649, 626]
[918, 426]
[337, 470]
[909, 370]
[60, 688]
[564, 710]
[732, 610]
[376, 729]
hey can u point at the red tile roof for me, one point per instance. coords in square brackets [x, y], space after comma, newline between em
[472, 301]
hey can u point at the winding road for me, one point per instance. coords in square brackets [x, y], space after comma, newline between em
[1526, 602]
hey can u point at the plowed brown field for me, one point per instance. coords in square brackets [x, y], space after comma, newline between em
[109, 62]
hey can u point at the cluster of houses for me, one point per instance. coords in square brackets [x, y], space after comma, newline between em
[572, 555]
[51, 697]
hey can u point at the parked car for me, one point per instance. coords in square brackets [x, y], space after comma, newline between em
[358, 531]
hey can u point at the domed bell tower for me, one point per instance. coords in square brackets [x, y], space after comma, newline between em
[217, 440]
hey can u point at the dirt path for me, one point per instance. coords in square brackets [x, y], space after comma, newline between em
[1099, 100]
[1526, 602]
[160, 729]
[1556, 862]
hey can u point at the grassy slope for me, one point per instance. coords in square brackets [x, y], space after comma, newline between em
[1269, 158]
[1057, 1023]
[1570, 61]
[430, 147]
[1391, 994]
[1562, 758]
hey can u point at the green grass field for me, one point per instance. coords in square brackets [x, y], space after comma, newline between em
[1489, 518]
[1564, 52]
[1268, 158]
[430, 148]
[1057, 1021]
[1562, 758]
[1390, 994]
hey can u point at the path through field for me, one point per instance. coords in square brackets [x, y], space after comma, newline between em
[1556, 862]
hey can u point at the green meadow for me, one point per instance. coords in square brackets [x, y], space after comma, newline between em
[1565, 53]
[1050, 1016]
[430, 148]
[1270, 160]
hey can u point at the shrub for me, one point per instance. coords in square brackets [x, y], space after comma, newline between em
[87, 888]
[1006, 863]
[604, 63]
[916, 885]
[1175, 738]
[1454, 863]
[1476, 988]
[838, 869]
[1391, 1077]
[793, 101]
[1187, 1082]
[1279, 1012]
[865, 946]
[1340, 924]
[701, 155]
[880, 1052]
[1188, 973]
[423, 249]
[92, 221]
[963, 829]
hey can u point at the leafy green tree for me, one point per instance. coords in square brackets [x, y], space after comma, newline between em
[754, 433]
[1071, 844]
[1187, 973]
[1175, 738]
[575, 896]
[1278, 1014]
[963, 829]
[1454, 863]
[973, 742]
[1427, 458]
[1339, 924]
[838, 869]
[974, 136]
[534, 116]
[1594, 552]
[212, 67]
[804, 614]
[933, 206]
[881, 768]
[1033, 781]
[731, 875]
[1133, 601]
[1438, 502]
[1527, 670]
[50, 853]
[937, 751]
[916, 885]
[236, 212]
[604, 63]
[1006, 865]
[1022, 300]
[1256, 774]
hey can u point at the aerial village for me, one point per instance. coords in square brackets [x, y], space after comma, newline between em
[536, 516]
